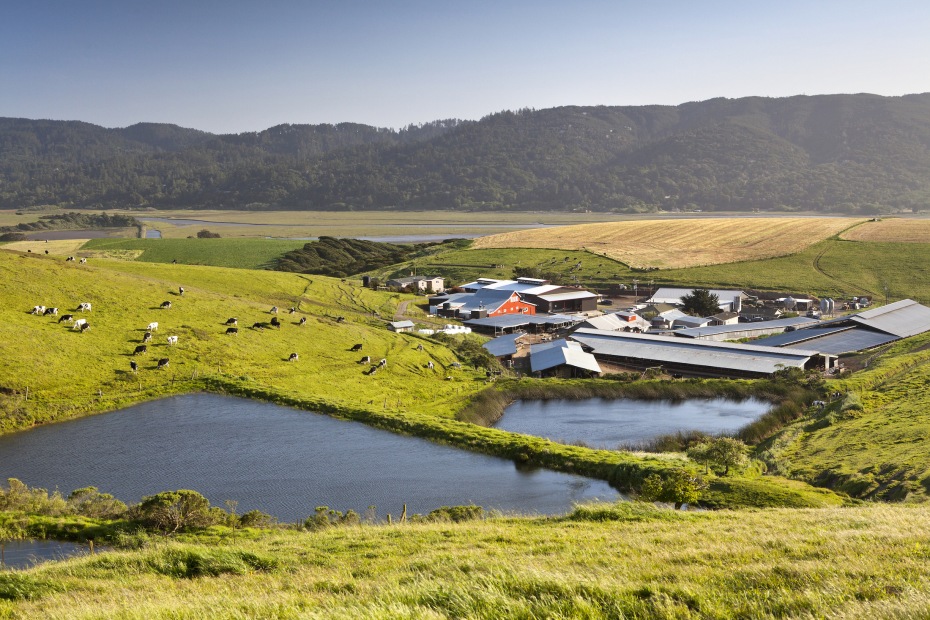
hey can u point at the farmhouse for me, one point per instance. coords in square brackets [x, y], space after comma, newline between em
[422, 284]
[561, 358]
[699, 358]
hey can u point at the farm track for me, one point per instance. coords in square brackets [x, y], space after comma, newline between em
[817, 266]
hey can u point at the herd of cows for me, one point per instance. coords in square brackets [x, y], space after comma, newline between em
[232, 329]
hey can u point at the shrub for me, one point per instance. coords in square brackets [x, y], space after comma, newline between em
[171, 511]
[206, 234]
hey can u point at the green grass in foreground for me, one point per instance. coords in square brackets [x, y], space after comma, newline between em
[241, 253]
[619, 561]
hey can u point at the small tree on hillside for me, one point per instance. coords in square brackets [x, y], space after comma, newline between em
[679, 487]
[700, 302]
[206, 234]
[727, 452]
[171, 511]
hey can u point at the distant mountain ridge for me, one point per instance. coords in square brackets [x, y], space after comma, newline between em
[843, 153]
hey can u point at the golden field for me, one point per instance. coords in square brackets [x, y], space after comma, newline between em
[894, 230]
[681, 242]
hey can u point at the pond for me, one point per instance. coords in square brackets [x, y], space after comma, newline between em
[26, 553]
[278, 460]
[604, 423]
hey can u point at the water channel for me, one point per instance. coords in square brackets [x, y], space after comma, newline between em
[25, 553]
[602, 423]
[282, 461]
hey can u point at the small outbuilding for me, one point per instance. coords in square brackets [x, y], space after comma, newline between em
[401, 326]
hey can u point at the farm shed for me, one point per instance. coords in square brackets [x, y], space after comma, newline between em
[426, 284]
[673, 296]
[745, 330]
[504, 347]
[699, 358]
[617, 322]
[536, 323]
[401, 326]
[561, 358]
[861, 331]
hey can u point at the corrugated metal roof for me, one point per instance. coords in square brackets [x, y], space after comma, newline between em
[713, 330]
[902, 318]
[801, 335]
[668, 295]
[846, 341]
[561, 353]
[518, 320]
[503, 345]
[400, 324]
[571, 295]
[711, 354]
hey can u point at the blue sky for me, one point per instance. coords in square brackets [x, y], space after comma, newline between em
[235, 66]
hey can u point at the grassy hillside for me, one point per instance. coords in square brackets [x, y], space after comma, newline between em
[626, 561]
[873, 442]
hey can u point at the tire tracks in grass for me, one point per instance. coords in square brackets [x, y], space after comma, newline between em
[818, 267]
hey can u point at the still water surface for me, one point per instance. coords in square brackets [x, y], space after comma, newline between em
[279, 460]
[604, 423]
[26, 553]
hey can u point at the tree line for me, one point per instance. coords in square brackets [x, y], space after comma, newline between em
[843, 153]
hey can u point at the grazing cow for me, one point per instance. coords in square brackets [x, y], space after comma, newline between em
[163, 362]
[231, 321]
[259, 325]
[50, 311]
[373, 370]
[420, 347]
[292, 311]
[140, 349]
[165, 305]
[181, 291]
[356, 347]
[69, 259]
[172, 340]
[66, 317]
[274, 310]
[303, 321]
[232, 331]
[456, 365]
[83, 261]
[46, 251]
[38, 310]
[382, 363]
[430, 365]
[146, 336]
[133, 365]
[153, 326]
[85, 327]
[84, 306]
[79, 324]
[365, 360]
[340, 319]
[292, 358]
[275, 322]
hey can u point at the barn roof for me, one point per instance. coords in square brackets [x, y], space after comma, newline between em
[902, 318]
[714, 330]
[503, 346]
[561, 353]
[669, 295]
[721, 356]
[508, 321]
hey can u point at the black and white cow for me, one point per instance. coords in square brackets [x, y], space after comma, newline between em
[133, 365]
[365, 360]
[50, 312]
[303, 321]
[232, 331]
[356, 347]
[79, 324]
[292, 358]
[84, 306]
[231, 321]
[163, 362]
[165, 305]
[38, 310]
[140, 349]
[66, 317]
[275, 322]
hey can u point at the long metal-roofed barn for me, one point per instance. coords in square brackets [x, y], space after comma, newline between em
[745, 330]
[858, 332]
[701, 358]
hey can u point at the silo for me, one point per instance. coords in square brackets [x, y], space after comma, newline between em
[790, 303]
[831, 305]
[737, 303]
[825, 306]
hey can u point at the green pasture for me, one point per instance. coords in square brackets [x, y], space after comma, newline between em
[241, 253]
[602, 561]
[871, 443]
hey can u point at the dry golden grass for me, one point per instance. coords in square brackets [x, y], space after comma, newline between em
[680, 242]
[61, 247]
[894, 230]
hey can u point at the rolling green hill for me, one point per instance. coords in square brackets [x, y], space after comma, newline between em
[850, 153]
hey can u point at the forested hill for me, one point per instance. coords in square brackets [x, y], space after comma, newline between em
[849, 153]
